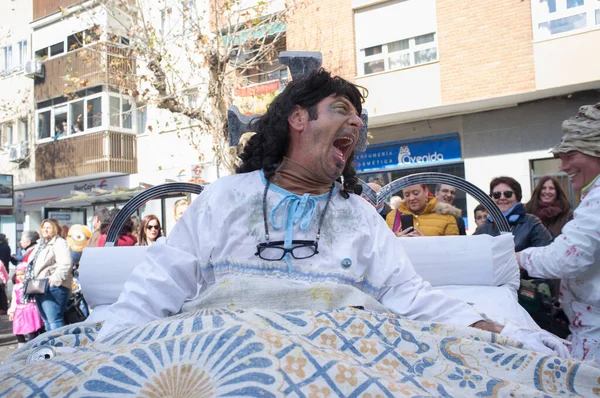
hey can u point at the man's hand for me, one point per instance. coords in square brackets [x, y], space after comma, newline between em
[488, 326]
[409, 232]
[537, 340]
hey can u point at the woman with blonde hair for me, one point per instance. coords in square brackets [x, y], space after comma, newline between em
[50, 260]
[180, 207]
[150, 230]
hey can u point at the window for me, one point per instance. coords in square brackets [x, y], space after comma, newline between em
[399, 54]
[94, 113]
[59, 118]
[60, 121]
[75, 41]
[6, 58]
[76, 114]
[23, 53]
[8, 136]
[141, 120]
[191, 99]
[118, 39]
[559, 17]
[115, 111]
[92, 34]
[42, 54]
[126, 112]
[120, 112]
[44, 124]
[80, 39]
[57, 49]
[24, 125]
[165, 21]
[72, 42]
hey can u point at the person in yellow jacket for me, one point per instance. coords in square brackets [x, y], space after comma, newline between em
[430, 217]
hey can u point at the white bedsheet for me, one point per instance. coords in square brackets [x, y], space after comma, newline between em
[499, 303]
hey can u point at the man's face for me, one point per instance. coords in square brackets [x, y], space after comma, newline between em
[581, 168]
[446, 194]
[480, 217]
[324, 145]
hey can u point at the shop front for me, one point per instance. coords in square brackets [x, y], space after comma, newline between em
[35, 201]
[386, 162]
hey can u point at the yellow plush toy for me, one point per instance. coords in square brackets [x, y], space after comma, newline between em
[78, 237]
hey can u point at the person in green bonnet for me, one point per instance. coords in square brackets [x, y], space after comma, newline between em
[574, 256]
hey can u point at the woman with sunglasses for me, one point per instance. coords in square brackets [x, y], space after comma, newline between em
[527, 229]
[150, 230]
[550, 204]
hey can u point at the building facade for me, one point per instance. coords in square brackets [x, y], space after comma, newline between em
[16, 115]
[473, 89]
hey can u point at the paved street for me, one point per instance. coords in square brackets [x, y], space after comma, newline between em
[8, 342]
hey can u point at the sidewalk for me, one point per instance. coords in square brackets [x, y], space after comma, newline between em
[8, 341]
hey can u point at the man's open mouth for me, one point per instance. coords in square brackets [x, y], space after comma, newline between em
[342, 147]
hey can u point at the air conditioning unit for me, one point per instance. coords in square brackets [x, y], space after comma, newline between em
[18, 153]
[34, 68]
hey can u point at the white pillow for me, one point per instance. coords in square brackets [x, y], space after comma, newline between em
[465, 260]
[103, 271]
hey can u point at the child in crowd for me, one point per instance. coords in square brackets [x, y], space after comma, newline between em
[25, 317]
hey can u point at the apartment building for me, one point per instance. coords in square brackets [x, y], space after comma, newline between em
[16, 92]
[83, 116]
[93, 126]
[475, 89]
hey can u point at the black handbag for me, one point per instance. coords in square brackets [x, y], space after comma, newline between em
[35, 286]
[77, 309]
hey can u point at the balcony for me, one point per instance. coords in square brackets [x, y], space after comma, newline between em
[93, 65]
[42, 8]
[106, 151]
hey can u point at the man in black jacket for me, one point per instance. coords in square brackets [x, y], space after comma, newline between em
[5, 255]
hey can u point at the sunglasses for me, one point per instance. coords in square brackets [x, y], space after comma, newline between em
[156, 227]
[498, 195]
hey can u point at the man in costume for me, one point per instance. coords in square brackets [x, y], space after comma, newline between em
[574, 256]
[290, 231]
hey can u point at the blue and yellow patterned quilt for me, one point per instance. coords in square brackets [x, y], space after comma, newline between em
[344, 353]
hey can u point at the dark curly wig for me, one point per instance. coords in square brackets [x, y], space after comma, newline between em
[265, 150]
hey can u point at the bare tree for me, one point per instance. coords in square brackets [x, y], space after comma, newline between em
[191, 56]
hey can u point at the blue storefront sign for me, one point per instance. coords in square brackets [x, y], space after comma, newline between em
[408, 154]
